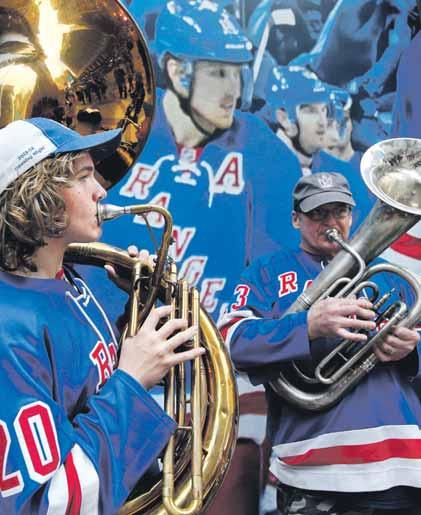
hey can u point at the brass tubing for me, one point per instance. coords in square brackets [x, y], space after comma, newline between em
[196, 405]
[132, 325]
[196, 502]
[183, 307]
[110, 212]
[170, 388]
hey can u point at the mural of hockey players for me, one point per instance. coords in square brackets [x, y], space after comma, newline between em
[358, 49]
[211, 166]
[297, 109]
[407, 108]
[279, 27]
[315, 13]
[146, 15]
[339, 140]
[361, 43]
[407, 123]
[221, 173]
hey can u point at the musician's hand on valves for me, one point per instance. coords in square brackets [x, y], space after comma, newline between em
[150, 354]
[123, 283]
[339, 317]
[397, 345]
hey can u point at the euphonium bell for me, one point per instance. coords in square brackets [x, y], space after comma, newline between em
[392, 171]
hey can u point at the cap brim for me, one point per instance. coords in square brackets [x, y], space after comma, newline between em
[100, 145]
[319, 199]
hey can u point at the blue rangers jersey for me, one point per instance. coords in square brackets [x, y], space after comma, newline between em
[75, 435]
[362, 444]
[228, 200]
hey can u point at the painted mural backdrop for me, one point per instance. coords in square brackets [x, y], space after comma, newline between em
[251, 95]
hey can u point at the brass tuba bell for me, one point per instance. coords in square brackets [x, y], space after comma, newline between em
[85, 63]
[392, 171]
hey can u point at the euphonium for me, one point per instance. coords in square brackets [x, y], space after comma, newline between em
[206, 443]
[392, 171]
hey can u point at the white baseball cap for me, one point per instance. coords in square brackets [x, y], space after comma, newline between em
[25, 143]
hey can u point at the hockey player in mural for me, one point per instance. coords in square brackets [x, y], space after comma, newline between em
[300, 108]
[210, 165]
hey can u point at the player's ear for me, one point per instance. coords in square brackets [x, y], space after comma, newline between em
[295, 220]
[285, 123]
[176, 74]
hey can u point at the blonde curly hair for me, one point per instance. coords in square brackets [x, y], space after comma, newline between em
[32, 209]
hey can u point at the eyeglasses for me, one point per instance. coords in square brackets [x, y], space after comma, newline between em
[320, 214]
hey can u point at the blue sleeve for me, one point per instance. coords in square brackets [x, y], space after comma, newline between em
[85, 463]
[259, 347]
[258, 338]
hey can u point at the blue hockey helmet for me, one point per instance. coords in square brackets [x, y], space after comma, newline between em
[192, 30]
[289, 87]
[200, 30]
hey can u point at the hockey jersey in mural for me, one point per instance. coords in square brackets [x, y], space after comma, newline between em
[230, 201]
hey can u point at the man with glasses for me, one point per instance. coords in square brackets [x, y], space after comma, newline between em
[348, 458]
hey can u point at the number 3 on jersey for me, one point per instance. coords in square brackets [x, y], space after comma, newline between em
[242, 291]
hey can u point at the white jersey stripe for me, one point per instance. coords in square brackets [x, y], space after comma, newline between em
[58, 493]
[368, 477]
[244, 316]
[89, 481]
[357, 476]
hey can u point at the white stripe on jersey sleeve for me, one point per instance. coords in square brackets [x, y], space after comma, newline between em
[89, 482]
[58, 493]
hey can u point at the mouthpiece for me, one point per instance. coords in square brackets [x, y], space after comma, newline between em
[109, 212]
[334, 235]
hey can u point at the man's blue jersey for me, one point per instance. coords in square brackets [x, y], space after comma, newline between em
[230, 202]
[75, 435]
[364, 442]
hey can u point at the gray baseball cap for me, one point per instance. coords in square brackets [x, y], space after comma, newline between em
[317, 189]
